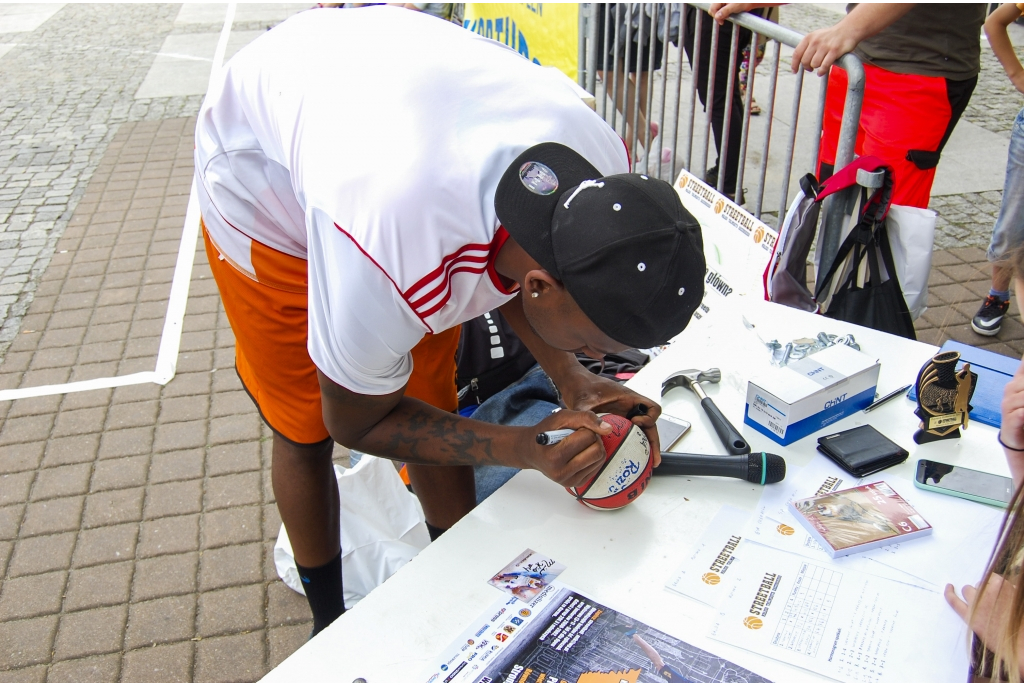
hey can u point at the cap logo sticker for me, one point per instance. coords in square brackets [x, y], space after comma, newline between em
[641, 267]
[616, 206]
[538, 178]
[583, 186]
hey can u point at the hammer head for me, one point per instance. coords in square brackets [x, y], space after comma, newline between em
[689, 377]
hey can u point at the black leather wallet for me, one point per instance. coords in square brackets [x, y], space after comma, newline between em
[862, 451]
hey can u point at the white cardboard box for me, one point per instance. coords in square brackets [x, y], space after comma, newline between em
[793, 401]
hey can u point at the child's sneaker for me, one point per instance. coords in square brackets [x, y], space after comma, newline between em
[989, 319]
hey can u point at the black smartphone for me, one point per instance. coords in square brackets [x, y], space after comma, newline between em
[977, 486]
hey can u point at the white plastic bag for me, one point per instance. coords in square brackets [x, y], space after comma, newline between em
[911, 235]
[382, 528]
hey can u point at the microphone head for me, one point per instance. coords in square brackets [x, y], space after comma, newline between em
[764, 468]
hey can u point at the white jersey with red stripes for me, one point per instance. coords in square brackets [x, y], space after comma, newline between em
[370, 143]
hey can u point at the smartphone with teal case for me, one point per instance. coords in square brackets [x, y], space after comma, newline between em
[977, 486]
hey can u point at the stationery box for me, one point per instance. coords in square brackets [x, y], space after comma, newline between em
[791, 402]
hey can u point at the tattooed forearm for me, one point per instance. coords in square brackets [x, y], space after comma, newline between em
[420, 434]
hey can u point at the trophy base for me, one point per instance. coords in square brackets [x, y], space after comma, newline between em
[922, 437]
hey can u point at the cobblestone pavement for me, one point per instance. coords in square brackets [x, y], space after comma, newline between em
[55, 124]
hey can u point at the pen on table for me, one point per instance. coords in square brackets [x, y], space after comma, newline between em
[554, 437]
[883, 400]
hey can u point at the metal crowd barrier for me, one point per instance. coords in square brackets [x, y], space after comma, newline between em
[671, 96]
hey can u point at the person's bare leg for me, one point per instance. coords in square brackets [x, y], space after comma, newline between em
[1002, 274]
[307, 497]
[447, 493]
[306, 490]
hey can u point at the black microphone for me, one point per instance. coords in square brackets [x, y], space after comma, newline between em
[757, 467]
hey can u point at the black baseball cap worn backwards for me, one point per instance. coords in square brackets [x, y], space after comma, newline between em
[624, 246]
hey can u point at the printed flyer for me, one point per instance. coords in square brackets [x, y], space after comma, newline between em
[840, 622]
[704, 575]
[564, 636]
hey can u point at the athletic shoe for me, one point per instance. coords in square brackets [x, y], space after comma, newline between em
[989, 319]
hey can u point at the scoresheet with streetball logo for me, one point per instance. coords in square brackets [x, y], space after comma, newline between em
[564, 636]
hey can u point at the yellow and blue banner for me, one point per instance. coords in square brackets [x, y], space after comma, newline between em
[544, 33]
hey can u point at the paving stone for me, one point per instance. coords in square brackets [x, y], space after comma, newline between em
[286, 606]
[159, 621]
[232, 491]
[126, 443]
[6, 548]
[71, 450]
[170, 499]
[233, 458]
[271, 522]
[174, 409]
[62, 481]
[171, 663]
[114, 474]
[97, 586]
[237, 658]
[285, 641]
[26, 642]
[230, 403]
[188, 384]
[228, 566]
[172, 574]
[105, 545]
[93, 631]
[32, 406]
[31, 596]
[52, 516]
[236, 428]
[42, 554]
[14, 487]
[178, 436]
[10, 520]
[231, 526]
[169, 536]
[28, 429]
[21, 457]
[32, 674]
[114, 506]
[232, 610]
[95, 669]
[180, 465]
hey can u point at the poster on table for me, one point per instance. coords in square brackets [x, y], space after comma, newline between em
[544, 33]
[564, 636]
[737, 247]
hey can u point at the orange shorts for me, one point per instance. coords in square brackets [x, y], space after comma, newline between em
[269, 320]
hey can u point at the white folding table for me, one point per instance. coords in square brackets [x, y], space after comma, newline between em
[621, 558]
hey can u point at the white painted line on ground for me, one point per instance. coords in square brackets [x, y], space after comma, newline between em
[170, 338]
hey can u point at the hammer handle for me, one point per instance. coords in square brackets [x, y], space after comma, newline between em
[730, 437]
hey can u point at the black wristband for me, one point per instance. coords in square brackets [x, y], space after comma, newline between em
[999, 437]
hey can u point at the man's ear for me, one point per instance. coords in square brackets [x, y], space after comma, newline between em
[541, 282]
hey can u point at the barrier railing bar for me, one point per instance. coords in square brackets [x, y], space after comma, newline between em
[664, 88]
[581, 55]
[603, 106]
[615, 72]
[625, 75]
[836, 205]
[709, 98]
[790, 147]
[819, 118]
[697, 31]
[769, 112]
[592, 26]
[751, 70]
[730, 87]
[679, 93]
[639, 78]
[650, 88]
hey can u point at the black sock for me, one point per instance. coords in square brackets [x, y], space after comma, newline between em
[324, 592]
[434, 531]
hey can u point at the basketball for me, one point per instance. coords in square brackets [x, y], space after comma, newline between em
[626, 471]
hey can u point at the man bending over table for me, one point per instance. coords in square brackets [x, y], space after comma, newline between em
[371, 178]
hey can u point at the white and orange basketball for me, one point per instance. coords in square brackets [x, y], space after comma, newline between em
[626, 471]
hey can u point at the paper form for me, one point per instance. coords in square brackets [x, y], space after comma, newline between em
[840, 622]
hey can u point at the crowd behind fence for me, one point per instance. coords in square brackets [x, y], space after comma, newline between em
[668, 24]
